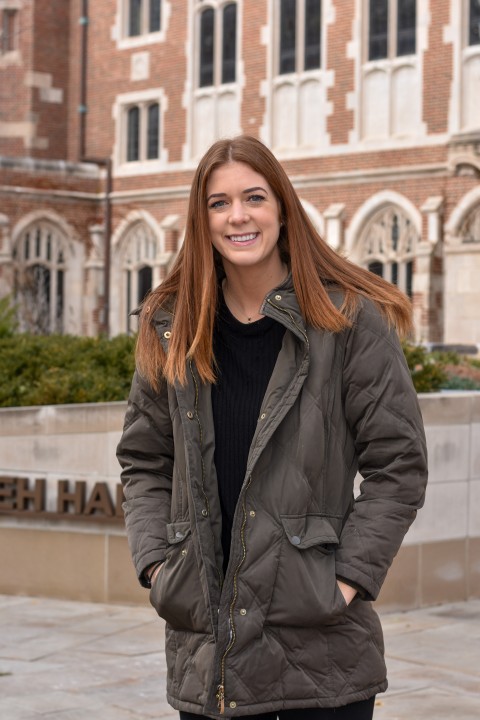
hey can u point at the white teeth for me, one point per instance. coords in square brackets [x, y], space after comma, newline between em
[242, 238]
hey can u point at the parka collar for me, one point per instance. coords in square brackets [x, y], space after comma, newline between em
[280, 304]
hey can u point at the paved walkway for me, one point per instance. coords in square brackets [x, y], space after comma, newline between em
[82, 661]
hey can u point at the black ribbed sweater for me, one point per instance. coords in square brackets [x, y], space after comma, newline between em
[245, 355]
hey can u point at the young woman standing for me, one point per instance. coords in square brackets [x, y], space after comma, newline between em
[269, 372]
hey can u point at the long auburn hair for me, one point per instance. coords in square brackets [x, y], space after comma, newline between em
[190, 289]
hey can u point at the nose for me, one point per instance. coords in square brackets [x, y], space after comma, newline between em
[238, 214]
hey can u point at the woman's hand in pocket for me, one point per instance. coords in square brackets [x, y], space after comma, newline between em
[153, 571]
[347, 591]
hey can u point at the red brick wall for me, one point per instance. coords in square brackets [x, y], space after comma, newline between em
[15, 96]
[339, 34]
[437, 71]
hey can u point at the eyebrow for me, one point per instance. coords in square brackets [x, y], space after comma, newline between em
[244, 192]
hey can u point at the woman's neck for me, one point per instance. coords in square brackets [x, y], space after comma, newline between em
[244, 290]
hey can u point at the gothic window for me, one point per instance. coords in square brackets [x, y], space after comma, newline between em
[40, 279]
[391, 82]
[388, 247]
[470, 230]
[474, 23]
[299, 46]
[142, 141]
[144, 16]
[299, 102]
[215, 103]
[139, 260]
[217, 45]
[392, 28]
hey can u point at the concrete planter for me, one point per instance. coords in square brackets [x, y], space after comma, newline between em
[62, 533]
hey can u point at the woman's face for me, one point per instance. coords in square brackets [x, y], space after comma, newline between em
[244, 218]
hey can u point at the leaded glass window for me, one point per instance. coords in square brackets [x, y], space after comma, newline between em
[40, 279]
[207, 38]
[153, 126]
[388, 247]
[133, 134]
[391, 28]
[229, 43]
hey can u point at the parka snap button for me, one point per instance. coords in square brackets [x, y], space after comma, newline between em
[167, 335]
[263, 416]
[233, 704]
[184, 552]
[204, 512]
[295, 540]
[252, 513]
[179, 535]
[190, 415]
[278, 297]
[243, 611]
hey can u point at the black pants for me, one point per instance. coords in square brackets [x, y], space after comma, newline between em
[362, 710]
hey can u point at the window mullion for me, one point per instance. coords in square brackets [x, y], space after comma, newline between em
[217, 47]
[145, 17]
[143, 132]
[392, 29]
[300, 37]
[53, 269]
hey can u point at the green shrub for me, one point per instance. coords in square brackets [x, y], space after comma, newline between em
[428, 372]
[59, 369]
[8, 319]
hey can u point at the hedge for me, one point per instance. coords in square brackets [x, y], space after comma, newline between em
[59, 369]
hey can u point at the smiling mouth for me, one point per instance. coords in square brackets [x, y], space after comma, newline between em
[242, 238]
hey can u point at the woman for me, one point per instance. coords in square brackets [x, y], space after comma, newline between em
[269, 372]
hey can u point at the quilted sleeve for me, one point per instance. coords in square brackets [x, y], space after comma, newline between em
[383, 414]
[145, 452]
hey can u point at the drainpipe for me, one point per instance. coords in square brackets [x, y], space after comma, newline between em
[101, 162]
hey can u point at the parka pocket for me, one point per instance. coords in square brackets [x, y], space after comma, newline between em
[176, 593]
[305, 592]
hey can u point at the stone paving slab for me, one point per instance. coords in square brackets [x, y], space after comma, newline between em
[85, 661]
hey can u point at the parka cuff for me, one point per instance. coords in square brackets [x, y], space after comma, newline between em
[366, 587]
[152, 560]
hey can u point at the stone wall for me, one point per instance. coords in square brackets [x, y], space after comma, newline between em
[62, 533]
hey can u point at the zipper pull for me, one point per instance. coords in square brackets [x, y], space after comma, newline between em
[221, 699]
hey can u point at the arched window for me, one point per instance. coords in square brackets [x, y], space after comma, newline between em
[388, 247]
[40, 265]
[139, 259]
[470, 230]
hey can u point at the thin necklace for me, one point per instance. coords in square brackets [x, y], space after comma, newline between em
[236, 304]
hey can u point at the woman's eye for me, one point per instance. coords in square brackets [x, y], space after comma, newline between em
[256, 198]
[217, 204]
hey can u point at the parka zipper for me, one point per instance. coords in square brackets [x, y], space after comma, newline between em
[205, 496]
[287, 312]
[220, 696]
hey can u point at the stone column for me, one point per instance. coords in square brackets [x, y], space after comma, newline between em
[94, 281]
[428, 276]
[334, 217]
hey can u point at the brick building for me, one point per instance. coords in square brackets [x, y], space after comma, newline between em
[105, 108]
